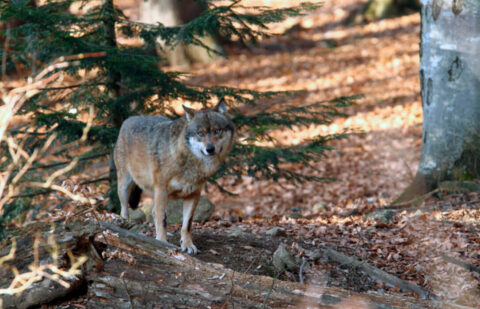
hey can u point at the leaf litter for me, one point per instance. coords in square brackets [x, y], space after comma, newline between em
[327, 58]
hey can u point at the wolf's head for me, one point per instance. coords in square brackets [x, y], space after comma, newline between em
[209, 133]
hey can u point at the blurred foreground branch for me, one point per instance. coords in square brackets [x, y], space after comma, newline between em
[19, 160]
[37, 272]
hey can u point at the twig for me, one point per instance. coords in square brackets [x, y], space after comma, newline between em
[304, 261]
[460, 263]
[409, 203]
[64, 62]
[270, 290]
[125, 286]
[341, 258]
[31, 194]
[5, 51]
[71, 195]
[140, 24]
[93, 156]
[353, 212]
[37, 272]
[86, 182]
[222, 189]
[71, 86]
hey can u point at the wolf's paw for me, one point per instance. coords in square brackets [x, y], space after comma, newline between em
[189, 247]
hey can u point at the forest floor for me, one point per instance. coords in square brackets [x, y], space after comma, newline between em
[328, 58]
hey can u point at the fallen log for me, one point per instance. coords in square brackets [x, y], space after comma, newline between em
[40, 293]
[377, 273]
[129, 270]
[460, 263]
[36, 260]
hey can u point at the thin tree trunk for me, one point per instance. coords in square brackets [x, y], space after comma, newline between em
[450, 82]
[113, 83]
[174, 13]
[376, 9]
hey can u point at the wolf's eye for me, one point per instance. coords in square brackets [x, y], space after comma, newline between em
[200, 133]
[217, 131]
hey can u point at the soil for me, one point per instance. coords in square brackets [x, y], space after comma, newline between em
[252, 254]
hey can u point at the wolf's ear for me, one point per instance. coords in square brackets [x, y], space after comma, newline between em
[189, 112]
[221, 107]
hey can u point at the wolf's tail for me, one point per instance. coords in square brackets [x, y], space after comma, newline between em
[135, 196]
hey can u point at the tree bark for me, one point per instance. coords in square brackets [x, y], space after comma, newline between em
[174, 13]
[147, 273]
[377, 9]
[450, 86]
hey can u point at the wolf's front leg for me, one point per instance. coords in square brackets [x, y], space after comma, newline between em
[189, 206]
[160, 200]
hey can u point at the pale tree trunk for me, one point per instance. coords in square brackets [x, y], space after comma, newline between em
[174, 13]
[450, 82]
[376, 9]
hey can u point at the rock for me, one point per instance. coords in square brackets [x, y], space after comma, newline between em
[235, 231]
[283, 260]
[137, 215]
[318, 207]
[384, 215]
[140, 228]
[203, 212]
[147, 210]
[295, 215]
[276, 231]
[315, 255]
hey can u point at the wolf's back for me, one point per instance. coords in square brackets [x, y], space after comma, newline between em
[136, 148]
[142, 126]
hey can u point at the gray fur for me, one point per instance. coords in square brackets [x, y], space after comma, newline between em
[172, 160]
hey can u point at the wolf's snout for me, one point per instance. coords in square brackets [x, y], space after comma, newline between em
[210, 149]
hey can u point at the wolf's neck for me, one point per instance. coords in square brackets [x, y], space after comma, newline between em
[191, 163]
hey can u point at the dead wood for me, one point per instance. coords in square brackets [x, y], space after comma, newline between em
[377, 273]
[460, 263]
[46, 290]
[43, 292]
[129, 270]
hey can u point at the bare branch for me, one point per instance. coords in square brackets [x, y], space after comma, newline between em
[23, 281]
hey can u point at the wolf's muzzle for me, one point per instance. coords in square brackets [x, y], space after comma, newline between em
[210, 149]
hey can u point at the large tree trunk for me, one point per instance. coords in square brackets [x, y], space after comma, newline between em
[450, 81]
[174, 13]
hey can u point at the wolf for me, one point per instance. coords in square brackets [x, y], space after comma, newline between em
[171, 159]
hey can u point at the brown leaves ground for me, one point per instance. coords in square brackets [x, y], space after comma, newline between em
[379, 60]
[328, 59]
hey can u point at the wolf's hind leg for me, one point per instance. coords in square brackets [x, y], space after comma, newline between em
[189, 206]
[159, 212]
[125, 186]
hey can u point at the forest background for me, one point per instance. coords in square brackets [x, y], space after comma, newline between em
[330, 55]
